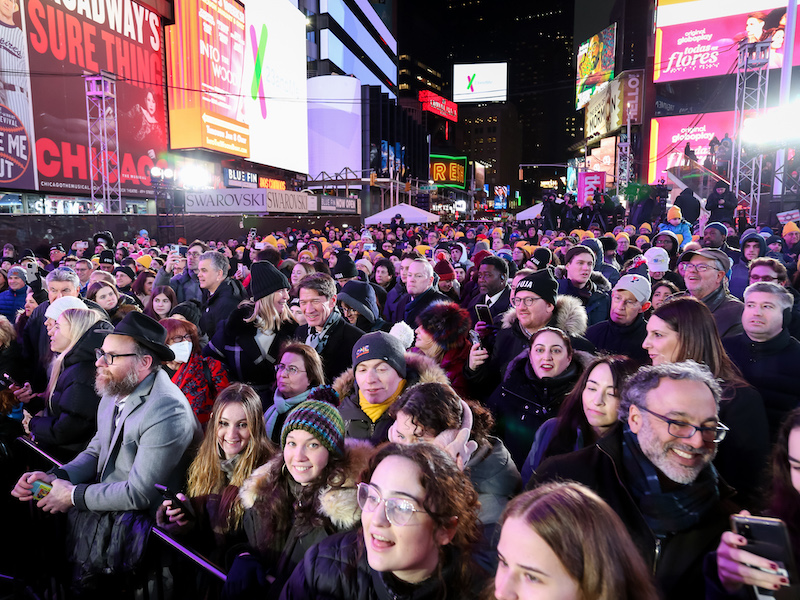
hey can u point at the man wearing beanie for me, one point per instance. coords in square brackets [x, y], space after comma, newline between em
[381, 370]
[326, 330]
[625, 330]
[13, 298]
[579, 265]
[715, 235]
[535, 304]
[791, 235]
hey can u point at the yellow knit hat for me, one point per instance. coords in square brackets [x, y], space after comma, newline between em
[674, 212]
[790, 227]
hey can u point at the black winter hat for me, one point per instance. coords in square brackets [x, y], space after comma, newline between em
[189, 310]
[360, 295]
[447, 323]
[383, 346]
[542, 257]
[542, 283]
[127, 270]
[345, 268]
[107, 257]
[265, 279]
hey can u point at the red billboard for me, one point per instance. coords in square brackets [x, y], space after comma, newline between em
[700, 38]
[46, 47]
[439, 106]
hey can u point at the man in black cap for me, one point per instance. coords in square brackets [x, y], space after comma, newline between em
[145, 429]
[57, 253]
[106, 261]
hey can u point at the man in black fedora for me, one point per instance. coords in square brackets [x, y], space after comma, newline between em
[145, 427]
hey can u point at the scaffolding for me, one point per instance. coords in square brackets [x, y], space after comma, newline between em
[101, 116]
[752, 79]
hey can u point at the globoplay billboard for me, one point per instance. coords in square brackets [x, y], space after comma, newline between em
[700, 38]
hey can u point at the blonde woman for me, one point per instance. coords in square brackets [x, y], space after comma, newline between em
[65, 418]
[249, 343]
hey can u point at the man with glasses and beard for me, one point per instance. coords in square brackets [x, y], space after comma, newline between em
[654, 469]
[145, 427]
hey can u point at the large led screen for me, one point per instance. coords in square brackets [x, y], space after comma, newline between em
[669, 135]
[700, 38]
[596, 59]
[482, 82]
[238, 77]
[46, 46]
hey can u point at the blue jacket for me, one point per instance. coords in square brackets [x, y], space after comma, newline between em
[681, 229]
[11, 301]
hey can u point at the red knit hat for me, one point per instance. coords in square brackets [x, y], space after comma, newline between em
[447, 323]
[479, 256]
[443, 268]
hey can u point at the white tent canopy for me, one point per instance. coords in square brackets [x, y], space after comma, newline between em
[411, 214]
[534, 212]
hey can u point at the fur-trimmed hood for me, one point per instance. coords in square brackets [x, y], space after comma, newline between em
[419, 369]
[339, 505]
[569, 316]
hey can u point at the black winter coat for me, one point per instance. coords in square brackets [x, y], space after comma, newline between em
[234, 344]
[336, 353]
[217, 307]
[677, 560]
[522, 402]
[618, 339]
[70, 421]
[771, 368]
[337, 568]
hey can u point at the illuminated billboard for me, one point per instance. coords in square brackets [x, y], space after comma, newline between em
[669, 135]
[596, 60]
[449, 171]
[439, 106]
[700, 38]
[481, 82]
[238, 80]
[47, 45]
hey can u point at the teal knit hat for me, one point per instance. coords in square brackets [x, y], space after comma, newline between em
[321, 420]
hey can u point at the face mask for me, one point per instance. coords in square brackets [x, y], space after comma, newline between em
[182, 351]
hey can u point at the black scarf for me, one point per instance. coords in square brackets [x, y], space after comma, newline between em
[666, 512]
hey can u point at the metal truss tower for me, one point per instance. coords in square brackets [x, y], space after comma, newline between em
[752, 79]
[101, 115]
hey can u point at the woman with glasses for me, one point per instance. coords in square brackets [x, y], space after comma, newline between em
[359, 305]
[249, 342]
[683, 329]
[300, 497]
[199, 377]
[65, 416]
[234, 445]
[297, 372]
[533, 388]
[562, 541]
[587, 414]
[419, 517]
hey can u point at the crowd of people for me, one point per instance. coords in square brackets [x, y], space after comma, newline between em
[407, 411]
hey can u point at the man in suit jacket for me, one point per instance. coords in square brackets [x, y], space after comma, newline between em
[495, 291]
[326, 330]
[145, 427]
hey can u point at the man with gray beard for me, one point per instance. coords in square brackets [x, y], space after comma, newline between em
[146, 430]
[654, 469]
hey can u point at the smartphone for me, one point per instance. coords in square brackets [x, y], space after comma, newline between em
[40, 490]
[369, 247]
[175, 248]
[168, 494]
[6, 381]
[252, 233]
[769, 538]
[484, 314]
[260, 245]
[474, 338]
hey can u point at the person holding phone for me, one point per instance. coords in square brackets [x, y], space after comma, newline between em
[736, 566]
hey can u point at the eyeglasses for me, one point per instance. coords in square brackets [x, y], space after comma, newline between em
[756, 278]
[398, 510]
[194, 254]
[180, 338]
[290, 369]
[527, 301]
[689, 267]
[109, 358]
[347, 310]
[680, 429]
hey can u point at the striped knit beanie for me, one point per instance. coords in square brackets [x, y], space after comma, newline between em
[321, 420]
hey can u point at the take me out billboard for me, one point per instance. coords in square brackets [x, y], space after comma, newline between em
[700, 38]
[238, 77]
[46, 47]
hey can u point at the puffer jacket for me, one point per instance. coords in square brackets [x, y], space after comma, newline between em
[523, 402]
[337, 569]
[336, 510]
[11, 301]
[70, 420]
[419, 369]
